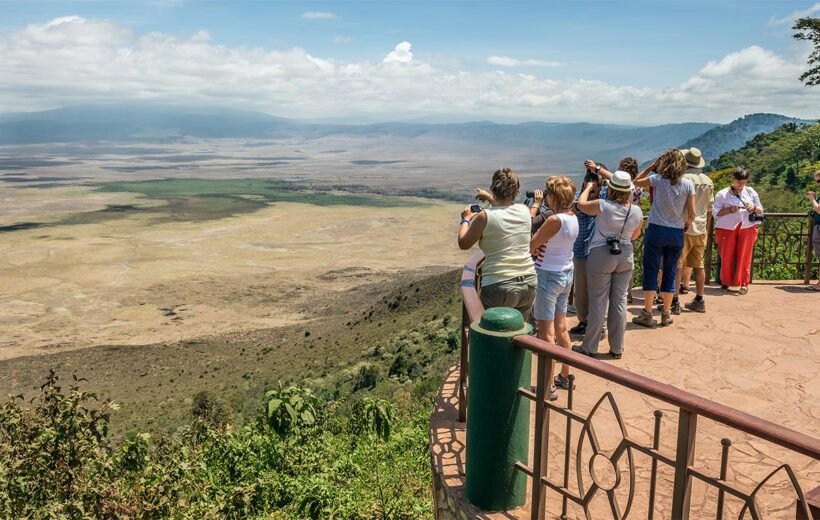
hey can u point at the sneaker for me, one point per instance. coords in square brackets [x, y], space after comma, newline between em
[696, 305]
[571, 309]
[553, 392]
[603, 334]
[743, 290]
[562, 382]
[724, 287]
[579, 329]
[577, 348]
[613, 355]
[666, 319]
[644, 319]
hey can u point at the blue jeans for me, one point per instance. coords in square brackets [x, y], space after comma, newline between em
[664, 244]
[553, 294]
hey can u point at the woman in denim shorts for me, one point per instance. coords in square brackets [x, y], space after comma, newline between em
[552, 245]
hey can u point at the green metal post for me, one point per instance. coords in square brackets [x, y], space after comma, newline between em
[498, 422]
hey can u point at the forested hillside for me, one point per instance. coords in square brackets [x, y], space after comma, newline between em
[780, 163]
[734, 135]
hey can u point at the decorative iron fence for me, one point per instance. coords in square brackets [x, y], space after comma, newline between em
[690, 407]
[783, 250]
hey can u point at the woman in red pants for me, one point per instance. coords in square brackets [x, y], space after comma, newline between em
[735, 211]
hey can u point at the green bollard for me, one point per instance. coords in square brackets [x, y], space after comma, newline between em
[498, 419]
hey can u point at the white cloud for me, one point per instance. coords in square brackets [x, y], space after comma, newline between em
[506, 61]
[73, 60]
[401, 54]
[318, 15]
[795, 15]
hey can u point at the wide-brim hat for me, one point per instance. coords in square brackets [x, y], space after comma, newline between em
[621, 181]
[694, 159]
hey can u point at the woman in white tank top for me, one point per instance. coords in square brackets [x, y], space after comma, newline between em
[552, 246]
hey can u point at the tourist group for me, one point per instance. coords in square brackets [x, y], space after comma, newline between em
[567, 241]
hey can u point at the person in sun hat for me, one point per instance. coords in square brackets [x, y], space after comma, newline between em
[694, 240]
[610, 262]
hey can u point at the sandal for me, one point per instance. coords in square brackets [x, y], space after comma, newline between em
[614, 355]
[743, 290]
[683, 289]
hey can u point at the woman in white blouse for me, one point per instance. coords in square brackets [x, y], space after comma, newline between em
[735, 212]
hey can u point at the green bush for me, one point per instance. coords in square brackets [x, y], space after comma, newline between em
[298, 459]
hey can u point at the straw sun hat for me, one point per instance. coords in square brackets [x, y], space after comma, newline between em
[621, 181]
[694, 159]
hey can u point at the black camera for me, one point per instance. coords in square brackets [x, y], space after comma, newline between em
[475, 208]
[614, 244]
[754, 217]
[530, 194]
[591, 176]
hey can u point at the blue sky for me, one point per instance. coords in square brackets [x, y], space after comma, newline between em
[608, 61]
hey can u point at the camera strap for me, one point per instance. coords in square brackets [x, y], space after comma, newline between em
[626, 219]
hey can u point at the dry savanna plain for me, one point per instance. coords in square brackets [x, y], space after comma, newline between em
[159, 270]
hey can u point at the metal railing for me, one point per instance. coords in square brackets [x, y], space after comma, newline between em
[690, 408]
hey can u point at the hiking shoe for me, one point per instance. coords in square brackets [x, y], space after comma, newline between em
[743, 290]
[666, 319]
[658, 298]
[644, 319]
[562, 382]
[579, 329]
[675, 309]
[696, 305]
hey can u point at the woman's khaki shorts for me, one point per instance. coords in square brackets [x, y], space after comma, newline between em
[693, 248]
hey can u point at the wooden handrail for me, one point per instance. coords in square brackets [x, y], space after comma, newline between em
[723, 414]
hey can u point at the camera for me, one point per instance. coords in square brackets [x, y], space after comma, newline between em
[475, 208]
[754, 217]
[591, 176]
[530, 194]
[614, 244]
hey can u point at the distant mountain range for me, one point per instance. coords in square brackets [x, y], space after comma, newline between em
[572, 142]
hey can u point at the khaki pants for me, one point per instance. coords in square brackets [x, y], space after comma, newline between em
[518, 293]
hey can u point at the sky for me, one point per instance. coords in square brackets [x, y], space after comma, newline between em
[632, 62]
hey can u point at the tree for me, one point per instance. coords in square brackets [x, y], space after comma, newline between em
[809, 29]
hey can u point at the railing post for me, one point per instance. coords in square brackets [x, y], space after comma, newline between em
[807, 272]
[464, 364]
[540, 438]
[684, 457]
[498, 425]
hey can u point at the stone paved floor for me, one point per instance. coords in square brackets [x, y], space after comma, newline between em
[758, 353]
